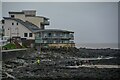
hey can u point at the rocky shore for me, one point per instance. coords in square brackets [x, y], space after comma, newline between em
[53, 65]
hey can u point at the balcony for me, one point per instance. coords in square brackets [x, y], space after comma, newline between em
[58, 37]
[54, 41]
[53, 37]
[46, 22]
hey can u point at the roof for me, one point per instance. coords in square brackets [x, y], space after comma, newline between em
[37, 16]
[42, 17]
[33, 28]
[27, 24]
[54, 30]
[16, 12]
[28, 15]
[23, 12]
[28, 10]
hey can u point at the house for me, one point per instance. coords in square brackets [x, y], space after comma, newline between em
[29, 27]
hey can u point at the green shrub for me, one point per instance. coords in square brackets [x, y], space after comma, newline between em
[10, 46]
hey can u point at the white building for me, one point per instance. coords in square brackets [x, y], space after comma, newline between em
[23, 24]
[31, 29]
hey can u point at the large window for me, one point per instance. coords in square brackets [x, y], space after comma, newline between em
[30, 34]
[25, 34]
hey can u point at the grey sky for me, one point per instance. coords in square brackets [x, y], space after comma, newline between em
[91, 22]
[59, 0]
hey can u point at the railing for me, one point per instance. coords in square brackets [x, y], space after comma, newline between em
[63, 37]
[52, 41]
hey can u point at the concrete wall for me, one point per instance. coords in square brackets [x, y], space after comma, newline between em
[14, 29]
[19, 16]
[29, 12]
[35, 20]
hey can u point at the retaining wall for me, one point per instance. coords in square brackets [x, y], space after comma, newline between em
[13, 54]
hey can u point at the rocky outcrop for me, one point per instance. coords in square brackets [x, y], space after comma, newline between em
[53, 66]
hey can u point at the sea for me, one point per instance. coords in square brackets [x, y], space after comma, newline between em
[98, 45]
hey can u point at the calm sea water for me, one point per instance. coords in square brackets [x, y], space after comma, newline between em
[98, 45]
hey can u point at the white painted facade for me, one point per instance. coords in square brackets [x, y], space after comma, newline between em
[33, 19]
[13, 28]
[19, 16]
[16, 30]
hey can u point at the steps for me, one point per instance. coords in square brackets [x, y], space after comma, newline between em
[17, 44]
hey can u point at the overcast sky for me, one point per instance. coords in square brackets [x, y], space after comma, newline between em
[92, 22]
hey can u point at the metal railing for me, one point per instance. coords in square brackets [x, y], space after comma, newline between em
[52, 41]
[55, 37]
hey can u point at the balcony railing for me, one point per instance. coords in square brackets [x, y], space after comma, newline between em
[70, 37]
[52, 42]
[52, 37]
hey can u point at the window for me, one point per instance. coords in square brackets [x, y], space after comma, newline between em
[12, 23]
[12, 16]
[16, 23]
[25, 34]
[2, 27]
[49, 34]
[30, 34]
[3, 21]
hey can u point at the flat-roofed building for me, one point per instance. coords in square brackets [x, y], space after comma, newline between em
[55, 38]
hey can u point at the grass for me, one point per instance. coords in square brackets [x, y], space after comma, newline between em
[10, 46]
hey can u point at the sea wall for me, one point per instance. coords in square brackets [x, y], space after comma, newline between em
[13, 54]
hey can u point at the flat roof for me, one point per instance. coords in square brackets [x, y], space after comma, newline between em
[37, 16]
[16, 12]
[54, 30]
[34, 28]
